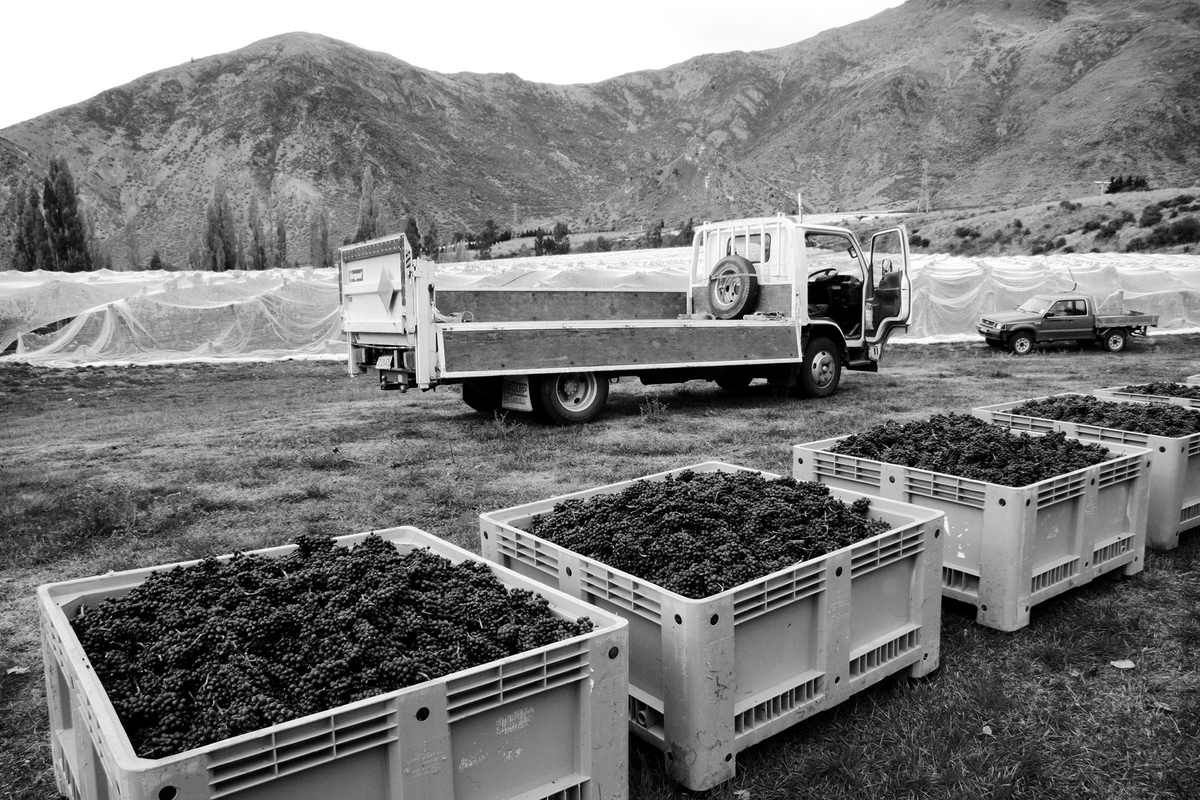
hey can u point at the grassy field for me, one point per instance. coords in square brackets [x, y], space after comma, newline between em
[115, 468]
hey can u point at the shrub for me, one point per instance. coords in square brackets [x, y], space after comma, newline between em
[966, 232]
[1151, 215]
[1067, 205]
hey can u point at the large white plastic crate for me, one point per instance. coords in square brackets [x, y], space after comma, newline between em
[711, 677]
[1117, 393]
[1010, 548]
[1174, 465]
[548, 723]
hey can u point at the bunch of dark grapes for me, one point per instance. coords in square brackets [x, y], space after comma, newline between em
[966, 446]
[198, 654]
[698, 534]
[1165, 389]
[1154, 419]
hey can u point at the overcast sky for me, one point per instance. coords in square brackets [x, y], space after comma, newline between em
[54, 54]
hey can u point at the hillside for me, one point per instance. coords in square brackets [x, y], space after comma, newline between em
[1006, 102]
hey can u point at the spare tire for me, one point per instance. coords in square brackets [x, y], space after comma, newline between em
[732, 288]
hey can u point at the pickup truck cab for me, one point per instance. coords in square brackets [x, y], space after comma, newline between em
[1062, 318]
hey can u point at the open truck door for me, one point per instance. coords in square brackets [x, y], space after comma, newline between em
[890, 298]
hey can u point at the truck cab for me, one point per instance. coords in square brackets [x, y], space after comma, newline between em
[767, 297]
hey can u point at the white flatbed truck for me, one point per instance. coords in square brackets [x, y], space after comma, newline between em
[769, 297]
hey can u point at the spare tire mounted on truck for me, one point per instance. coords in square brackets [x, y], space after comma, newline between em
[733, 288]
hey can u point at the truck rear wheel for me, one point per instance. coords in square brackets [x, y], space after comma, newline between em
[822, 369]
[1021, 344]
[482, 394]
[1114, 340]
[571, 398]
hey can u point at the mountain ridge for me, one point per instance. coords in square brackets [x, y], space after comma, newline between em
[1001, 101]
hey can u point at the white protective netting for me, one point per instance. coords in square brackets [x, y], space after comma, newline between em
[161, 317]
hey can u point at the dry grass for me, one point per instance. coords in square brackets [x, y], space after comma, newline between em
[116, 468]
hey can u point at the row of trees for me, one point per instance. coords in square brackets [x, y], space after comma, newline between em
[1126, 183]
[253, 244]
[50, 230]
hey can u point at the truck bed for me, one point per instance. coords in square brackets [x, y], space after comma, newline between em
[474, 348]
[1131, 319]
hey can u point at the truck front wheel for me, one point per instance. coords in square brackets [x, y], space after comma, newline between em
[571, 398]
[1114, 340]
[1021, 344]
[822, 368]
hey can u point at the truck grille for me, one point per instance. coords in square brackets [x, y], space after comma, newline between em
[987, 323]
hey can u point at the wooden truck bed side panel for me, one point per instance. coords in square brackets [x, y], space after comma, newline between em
[562, 349]
[1125, 320]
[514, 305]
[773, 298]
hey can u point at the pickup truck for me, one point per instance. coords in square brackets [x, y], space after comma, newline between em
[1061, 318]
[769, 297]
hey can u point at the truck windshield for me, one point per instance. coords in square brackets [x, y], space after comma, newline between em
[1038, 304]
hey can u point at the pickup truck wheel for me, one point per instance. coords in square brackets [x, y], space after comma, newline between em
[732, 288]
[822, 368]
[1021, 344]
[1114, 341]
[482, 394]
[571, 398]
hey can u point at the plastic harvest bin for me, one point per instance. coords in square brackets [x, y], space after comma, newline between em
[1116, 393]
[1174, 465]
[1010, 548]
[546, 723]
[710, 677]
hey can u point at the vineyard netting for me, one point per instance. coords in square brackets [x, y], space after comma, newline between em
[158, 317]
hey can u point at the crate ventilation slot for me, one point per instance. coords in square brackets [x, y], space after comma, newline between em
[527, 550]
[776, 592]
[1124, 470]
[1020, 422]
[1193, 448]
[960, 580]
[847, 468]
[1056, 490]
[620, 591]
[894, 547]
[1189, 513]
[876, 657]
[1054, 575]
[778, 706]
[514, 680]
[1110, 551]
[962, 491]
[289, 750]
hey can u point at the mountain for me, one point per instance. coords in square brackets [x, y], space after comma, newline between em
[990, 101]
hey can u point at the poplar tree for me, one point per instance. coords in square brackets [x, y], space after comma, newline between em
[318, 238]
[280, 243]
[430, 243]
[220, 245]
[368, 214]
[414, 236]
[258, 246]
